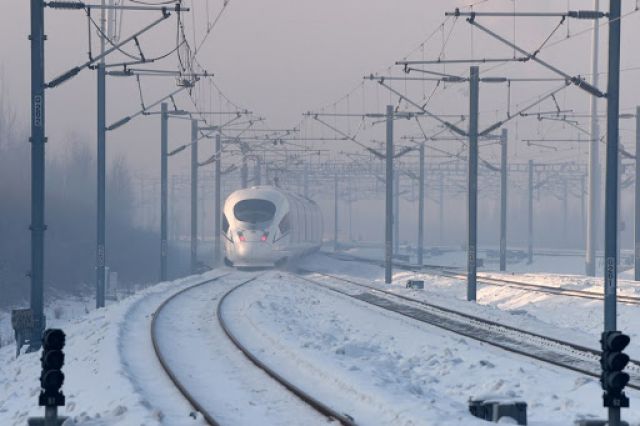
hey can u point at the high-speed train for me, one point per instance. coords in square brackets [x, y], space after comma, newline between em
[265, 226]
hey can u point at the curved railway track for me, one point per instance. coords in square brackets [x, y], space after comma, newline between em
[209, 417]
[499, 282]
[559, 353]
[311, 401]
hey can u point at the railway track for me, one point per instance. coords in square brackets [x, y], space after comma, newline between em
[206, 413]
[500, 282]
[542, 348]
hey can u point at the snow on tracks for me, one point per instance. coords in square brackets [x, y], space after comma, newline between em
[384, 369]
[223, 384]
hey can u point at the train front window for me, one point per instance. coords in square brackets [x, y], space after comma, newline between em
[254, 211]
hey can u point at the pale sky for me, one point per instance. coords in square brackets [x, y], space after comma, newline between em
[280, 58]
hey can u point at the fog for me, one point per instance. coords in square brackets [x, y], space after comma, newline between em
[280, 59]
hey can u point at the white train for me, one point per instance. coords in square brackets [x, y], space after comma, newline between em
[265, 226]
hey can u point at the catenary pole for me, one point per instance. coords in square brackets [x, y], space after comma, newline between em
[396, 214]
[258, 171]
[565, 208]
[194, 196]
[37, 140]
[421, 208]
[306, 180]
[441, 208]
[388, 240]
[218, 208]
[335, 213]
[244, 172]
[594, 157]
[530, 216]
[637, 202]
[472, 217]
[101, 249]
[611, 185]
[503, 200]
[164, 171]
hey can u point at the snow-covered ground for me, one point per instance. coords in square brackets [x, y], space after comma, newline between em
[383, 369]
[376, 366]
[570, 318]
[100, 385]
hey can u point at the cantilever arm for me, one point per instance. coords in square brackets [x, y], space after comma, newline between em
[576, 80]
[449, 125]
[510, 117]
[75, 70]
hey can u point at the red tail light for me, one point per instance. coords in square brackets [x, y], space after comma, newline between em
[264, 236]
[241, 236]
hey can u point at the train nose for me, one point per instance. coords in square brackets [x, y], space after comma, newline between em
[254, 253]
[253, 249]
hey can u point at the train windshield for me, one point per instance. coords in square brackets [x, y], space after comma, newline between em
[254, 211]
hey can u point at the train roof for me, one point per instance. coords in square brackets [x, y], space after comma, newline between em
[267, 192]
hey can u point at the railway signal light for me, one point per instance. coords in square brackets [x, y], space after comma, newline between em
[52, 378]
[613, 361]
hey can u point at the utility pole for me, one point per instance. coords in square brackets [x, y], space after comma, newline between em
[503, 200]
[611, 188]
[37, 140]
[164, 171]
[530, 216]
[335, 214]
[594, 158]
[194, 196]
[101, 250]
[421, 208]
[218, 208]
[388, 231]
[637, 201]
[472, 239]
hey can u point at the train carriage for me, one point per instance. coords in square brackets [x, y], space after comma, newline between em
[264, 226]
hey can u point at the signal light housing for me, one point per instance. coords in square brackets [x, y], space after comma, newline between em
[52, 360]
[613, 361]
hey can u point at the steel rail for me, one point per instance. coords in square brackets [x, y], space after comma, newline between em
[163, 362]
[327, 411]
[499, 282]
[591, 353]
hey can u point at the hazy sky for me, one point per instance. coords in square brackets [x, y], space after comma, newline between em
[281, 58]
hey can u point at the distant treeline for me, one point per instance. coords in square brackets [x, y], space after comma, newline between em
[70, 216]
